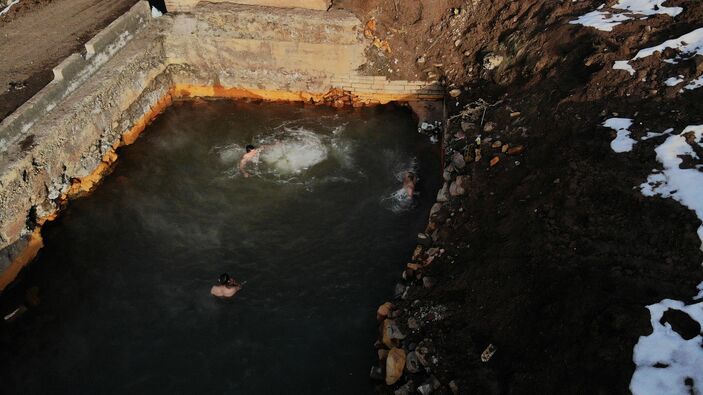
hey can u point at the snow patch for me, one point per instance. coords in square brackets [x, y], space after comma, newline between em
[622, 142]
[688, 45]
[664, 359]
[624, 10]
[623, 65]
[682, 185]
[673, 81]
[695, 84]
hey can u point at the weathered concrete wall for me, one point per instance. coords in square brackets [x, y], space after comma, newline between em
[73, 72]
[62, 141]
[71, 141]
[188, 5]
[292, 51]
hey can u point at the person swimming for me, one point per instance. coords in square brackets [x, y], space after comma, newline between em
[249, 156]
[226, 288]
[409, 181]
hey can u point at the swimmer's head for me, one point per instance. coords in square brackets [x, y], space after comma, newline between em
[224, 278]
[250, 148]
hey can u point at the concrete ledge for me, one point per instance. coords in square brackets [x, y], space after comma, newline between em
[69, 68]
[72, 72]
[188, 5]
[129, 22]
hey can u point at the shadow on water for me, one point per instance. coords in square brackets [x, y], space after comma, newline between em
[320, 239]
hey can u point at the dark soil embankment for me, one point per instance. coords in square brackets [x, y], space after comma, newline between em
[552, 253]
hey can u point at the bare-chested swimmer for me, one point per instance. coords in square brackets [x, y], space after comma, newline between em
[409, 184]
[249, 156]
[226, 288]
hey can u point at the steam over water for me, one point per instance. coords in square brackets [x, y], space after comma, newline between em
[320, 232]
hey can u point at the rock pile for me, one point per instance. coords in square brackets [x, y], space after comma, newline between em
[409, 362]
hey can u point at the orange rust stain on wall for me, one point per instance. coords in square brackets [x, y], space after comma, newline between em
[30, 251]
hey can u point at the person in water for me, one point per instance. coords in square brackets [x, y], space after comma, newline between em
[249, 156]
[226, 287]
[409, 183]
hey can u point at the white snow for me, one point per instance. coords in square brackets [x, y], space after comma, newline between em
[624, 65]
[155, 13]
[682, 185]
[664, 359]
[651, 135]
[689, 45]
[6, 9]
[673, 81]
[647, 7]
[622, 142]
[601, 20]
[624, 10]
[695, 84]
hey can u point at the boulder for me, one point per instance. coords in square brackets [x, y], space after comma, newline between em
[395, 363]
[443, 194]
[435, 209]
[384, 310]
[458, 161]
[458, 187]
[412, 364]
[491, 61]
[391, 333]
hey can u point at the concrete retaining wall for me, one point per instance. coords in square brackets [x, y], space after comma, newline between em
[72, 72]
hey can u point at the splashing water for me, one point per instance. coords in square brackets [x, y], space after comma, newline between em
[300, 150]
[398, 201]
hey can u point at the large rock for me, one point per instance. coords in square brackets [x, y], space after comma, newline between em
[412, 364]
[391, 333]
[395, 363]
[458, 187]
[491, 61]
[458, 160]
[384, 310]
[443, 194]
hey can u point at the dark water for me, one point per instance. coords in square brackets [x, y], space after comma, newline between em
[125, 275]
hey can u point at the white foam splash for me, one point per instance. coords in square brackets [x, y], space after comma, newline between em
[300, 150]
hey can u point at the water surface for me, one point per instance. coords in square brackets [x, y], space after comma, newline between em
[320, 233]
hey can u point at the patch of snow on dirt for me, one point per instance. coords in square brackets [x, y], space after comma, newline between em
[695, 84]
[673, 81]
[624, 10]
[624, 65]
[688, 45]
[622, 142]
[7, 9]
[682, 185]
[664, 359]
